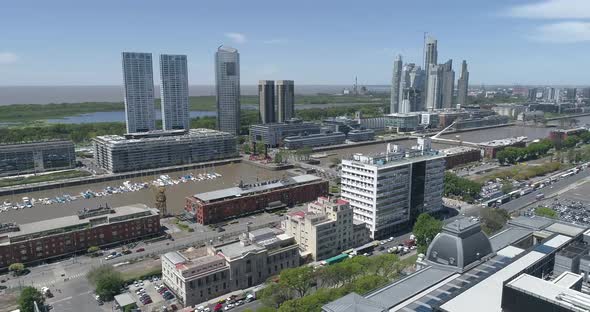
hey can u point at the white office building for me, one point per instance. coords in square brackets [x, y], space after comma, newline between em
[388, 191]
[174, 92]
[227, 84]
[139, 92]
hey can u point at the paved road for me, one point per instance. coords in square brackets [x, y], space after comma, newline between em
[548, 191]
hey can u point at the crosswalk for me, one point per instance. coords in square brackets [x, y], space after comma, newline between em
[47, 283]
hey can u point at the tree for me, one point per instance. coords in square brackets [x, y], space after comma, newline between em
[425, 229]
[299, 279]
[278, 158]
[260, 148]
[246, 148]
[274, 295]
[92, 249]
[546, 212]
[28, 296]
[106, 280]
[456, 186]
[493, 219]
[16, 268]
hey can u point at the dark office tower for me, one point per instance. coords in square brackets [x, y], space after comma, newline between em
[285, 100]
[227, 85]
[463, 84]
[139, 92]
[174, 92]
[266, 95]
[448, 86]
[395, 85]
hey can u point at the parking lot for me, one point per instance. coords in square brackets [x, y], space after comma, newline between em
[148, 287]
[571, 206]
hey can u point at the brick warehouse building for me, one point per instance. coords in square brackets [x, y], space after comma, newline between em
[58, 237]
[216, 206]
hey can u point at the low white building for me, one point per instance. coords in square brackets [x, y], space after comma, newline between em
[198, 275]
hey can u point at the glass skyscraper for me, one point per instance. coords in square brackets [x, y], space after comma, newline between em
[227, 83]
[139, 92]
[174, 92]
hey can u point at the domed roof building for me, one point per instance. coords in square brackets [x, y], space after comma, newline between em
[460, 246]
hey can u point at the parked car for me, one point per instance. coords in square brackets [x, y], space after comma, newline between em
[140, 249]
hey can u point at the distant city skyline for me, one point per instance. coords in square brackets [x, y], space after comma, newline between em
[528, 42]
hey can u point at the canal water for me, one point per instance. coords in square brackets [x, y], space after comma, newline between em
[175, 194]
[231, 175]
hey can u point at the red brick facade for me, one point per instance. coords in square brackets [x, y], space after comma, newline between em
[215, 212]
[59, 244]
[458, 159]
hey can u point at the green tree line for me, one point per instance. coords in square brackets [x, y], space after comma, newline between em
[512, 155]
[83, 133]
[307, 289]
[455, 186]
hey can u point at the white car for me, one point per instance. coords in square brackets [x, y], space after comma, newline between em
[200, 308]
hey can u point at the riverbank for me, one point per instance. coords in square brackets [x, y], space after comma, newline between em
[21, 113]
[109, 177]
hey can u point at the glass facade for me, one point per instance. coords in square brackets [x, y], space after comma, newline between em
[35, 157]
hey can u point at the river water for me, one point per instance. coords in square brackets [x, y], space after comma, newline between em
[231, 175]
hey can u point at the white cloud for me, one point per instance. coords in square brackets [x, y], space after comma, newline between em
[276, 41]
[236, 37]
[8, 58]
[563, 32]
[553, 9]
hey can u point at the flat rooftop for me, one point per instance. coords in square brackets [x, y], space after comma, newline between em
[74, 220]
[508, 237]
[487, 294]
[458, 150]
[233, 192]
[503, 142]
[159, 136]
[548, 291]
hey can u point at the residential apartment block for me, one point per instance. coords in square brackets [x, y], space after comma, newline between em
[137, 151]
[326, 228]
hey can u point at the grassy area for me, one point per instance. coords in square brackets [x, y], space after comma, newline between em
[43, 178]
[522, 172]
[130, 276]
[32, 112]
[182, 226]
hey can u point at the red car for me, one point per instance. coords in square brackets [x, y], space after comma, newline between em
[140, 249]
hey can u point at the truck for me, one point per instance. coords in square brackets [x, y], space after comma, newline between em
[409, 242]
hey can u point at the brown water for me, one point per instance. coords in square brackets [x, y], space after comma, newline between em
[231, 175]
[175, 194]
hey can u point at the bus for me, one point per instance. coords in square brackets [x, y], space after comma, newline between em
[336, 259]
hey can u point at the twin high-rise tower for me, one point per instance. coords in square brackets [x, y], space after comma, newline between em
[139, 92]
[414, 89]
[281, 96]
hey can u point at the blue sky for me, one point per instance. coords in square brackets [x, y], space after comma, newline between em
[77, 42]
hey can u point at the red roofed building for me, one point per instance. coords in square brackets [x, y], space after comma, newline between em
[326, 228]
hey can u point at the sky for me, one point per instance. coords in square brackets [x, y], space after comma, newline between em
[75, 42]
